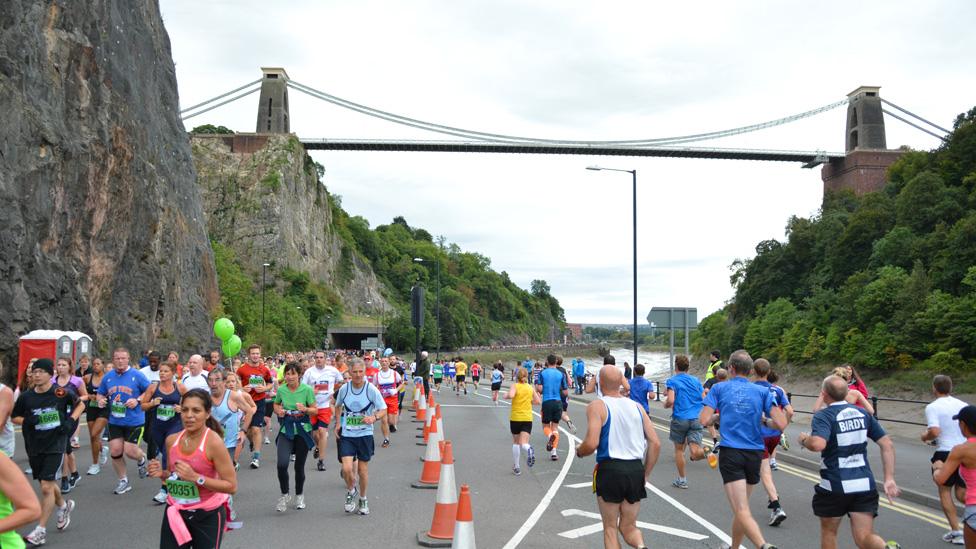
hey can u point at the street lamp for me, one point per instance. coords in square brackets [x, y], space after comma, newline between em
[437, 303]
[634, 174]
[264, 268]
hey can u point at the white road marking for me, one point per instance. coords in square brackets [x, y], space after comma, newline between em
[598, 527]
[580, 485]
[465, 405]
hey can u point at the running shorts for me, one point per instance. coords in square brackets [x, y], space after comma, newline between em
[552, 411]
[131, 434]
[685, 431]
[257, 420]
[46, 466]
[437, 380]
[616, 480]
[459, 378]
[565, 403]
[72, 425]
[392, 405]
[829, 504]
[94, 412]
[954, 478]
[268, 408]
[496, 386]
[736, 464]
[206, 528]
[520, 427]
[476, 379]
[360, 448]
[323, 418]
[969, 516]
[770, 443]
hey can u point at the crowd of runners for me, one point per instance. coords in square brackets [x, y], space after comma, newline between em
[191, 427]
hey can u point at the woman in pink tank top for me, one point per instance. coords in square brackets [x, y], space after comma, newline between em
[963, 457]
[199, 480]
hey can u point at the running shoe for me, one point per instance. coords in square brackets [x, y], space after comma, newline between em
[954, 537]
[465, 391]
[28, 471]
[363, 506]
[768, 546]
[65, 485]
[75, 477]
[103, 455]
[255, 463]
[530, 461]
[773, 465]
[94, 469]
[517, 471]
[571, 425]
[300, 501]
[143, 467]
[680, 483]
[892, 544]
[777, 516]
[36, 537]
[784, 443]
[267, 440]
[160, 496]
[64, 514]
[293, 457]
[392, 428]
[713, 458]
[320, 465]
[554, 456]
[75, 443]
[123, 487]
[283, 503]
[315, 453]
[386, 443]
[551, 442]
[350, 504]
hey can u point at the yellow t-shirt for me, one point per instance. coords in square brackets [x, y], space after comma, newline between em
[522, 403]
[460, 368]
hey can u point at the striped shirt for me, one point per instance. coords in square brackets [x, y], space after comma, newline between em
[844, 467]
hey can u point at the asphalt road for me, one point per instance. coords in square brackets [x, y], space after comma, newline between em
[548, 505]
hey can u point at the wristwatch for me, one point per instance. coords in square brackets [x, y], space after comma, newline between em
[201, 480]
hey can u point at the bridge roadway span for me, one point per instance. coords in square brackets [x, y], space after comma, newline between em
[550, 505]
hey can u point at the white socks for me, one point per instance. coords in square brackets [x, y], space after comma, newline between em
[516, 454]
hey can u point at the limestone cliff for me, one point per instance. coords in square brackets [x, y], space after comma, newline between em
[262, 198]
[101, 228]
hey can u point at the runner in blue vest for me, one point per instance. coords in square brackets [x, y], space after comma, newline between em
[120, 391]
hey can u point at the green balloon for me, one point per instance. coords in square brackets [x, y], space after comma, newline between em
[232, 346]
[224, 329]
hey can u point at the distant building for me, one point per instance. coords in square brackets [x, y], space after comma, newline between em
[575, 331]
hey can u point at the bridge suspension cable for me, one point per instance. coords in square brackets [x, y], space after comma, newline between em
[916, 117]
[502, 138]
[185, 116]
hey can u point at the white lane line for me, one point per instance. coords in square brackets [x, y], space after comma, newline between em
[546, 499]
[691, 514]
[580, 485]
[465, 405]
[578, 532]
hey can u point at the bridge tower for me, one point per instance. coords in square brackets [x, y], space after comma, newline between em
[865, 166]
[273, 105]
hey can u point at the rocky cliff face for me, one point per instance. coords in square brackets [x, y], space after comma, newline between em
[101, 224]
[263, 199]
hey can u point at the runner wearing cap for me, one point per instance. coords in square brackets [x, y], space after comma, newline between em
[962, 460]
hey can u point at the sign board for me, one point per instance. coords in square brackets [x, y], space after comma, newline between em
[677, 318]
[370, 343]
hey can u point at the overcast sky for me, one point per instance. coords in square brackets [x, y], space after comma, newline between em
[593, 71]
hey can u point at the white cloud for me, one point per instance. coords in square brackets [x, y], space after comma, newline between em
[613, 70]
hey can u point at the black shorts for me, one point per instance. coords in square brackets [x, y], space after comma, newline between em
[268, 409]
[520, 427]
[46, 466]
[257, 420]
[552, 411]
[616, 480]
[459, 378]
[476, 379]
[361, 448]
[127, 433]
[206, 529]
[94, 412]
[829, 504]
[496, 386]
[954, 478]
[437, 380]
[736, 464]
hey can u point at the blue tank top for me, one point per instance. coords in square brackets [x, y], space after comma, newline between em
[164, 417]
[230, 420]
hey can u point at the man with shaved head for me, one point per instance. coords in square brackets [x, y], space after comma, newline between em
[195, 376]
[626, 447]
[742, 406]
[840, 432]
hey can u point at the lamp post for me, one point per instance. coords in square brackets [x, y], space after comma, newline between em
[634, 200]
[264, 268]
[437, 303]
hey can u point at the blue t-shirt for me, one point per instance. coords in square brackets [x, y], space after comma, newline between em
[779, 399]
[687, 396]
[639, 387]
[579, 367]
[496, 376]
[553, 382]
[449, 370]
[844, 461]
[357, 404]
[742, 405]
[119, 388]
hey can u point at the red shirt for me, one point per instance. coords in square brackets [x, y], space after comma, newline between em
[256, 374]
[371, 375]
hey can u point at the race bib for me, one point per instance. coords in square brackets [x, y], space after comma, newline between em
[118, 409]
[255, 381]
[165, 412]
[353, 423]
[48, 418]
[322, 388]
[183, 492]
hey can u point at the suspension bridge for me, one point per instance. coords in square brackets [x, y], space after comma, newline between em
[861, 167]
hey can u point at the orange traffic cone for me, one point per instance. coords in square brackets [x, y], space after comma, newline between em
[440, 421]
[421, 412]
[417, 390]
[430, 473]
[426, 429]
[464, 526]
[445, 509]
